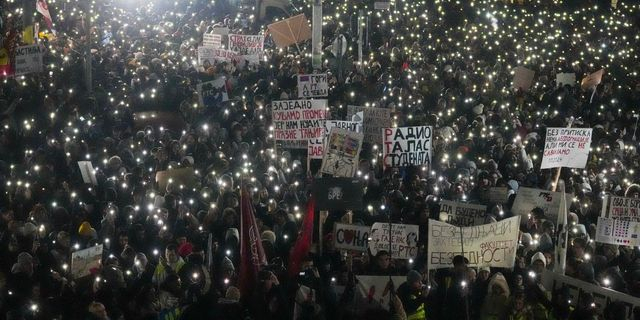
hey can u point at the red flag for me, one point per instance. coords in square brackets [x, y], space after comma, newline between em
[43, 9]
[251, 252]
[303, 244]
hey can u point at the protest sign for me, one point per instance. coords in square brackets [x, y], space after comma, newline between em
[602, 297]
[404, 239]
[566, 147]
[28, 59]
[182, 177]
[298, 119]
[498, 195]
[374, 292]
[208, 56]
[592, 80]
[212, 40]
[290, 31]
[619, 232]
[315, 147]
[352, 111]
[463, 214]
[563, 79]
[87, 172]
[622, 208]
[406, 146]
[523, 78]
[220, 30]
[341, 153]
[492, 244]
[529, 198]
[313, 85]
[292, 144]
[374, 120]
[350, 237]
[336, 193]
[249, 47]
[83, 261]
[213, 92]
[381, 5]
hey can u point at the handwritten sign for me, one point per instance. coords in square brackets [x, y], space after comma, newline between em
[28, 59]
[248, 47]
[619, 232]
[492, 244]
[315, 147]
[529, 198]
[212, 40]
[342, 153]
[213, 92]
[406, 146]
[463, 214]
[312, 85]
[83, 261]
[351, 237]
[621, 208]
[403, 238]
[566, 147]
[207, 56]
[375, 119]
[298, 119]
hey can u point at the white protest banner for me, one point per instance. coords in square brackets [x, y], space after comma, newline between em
[298, 119]
[249, 47]
[212, 40]
[492, 244]
[374, 292]
[341, 153]
[619, 232]
[212, 92]
[350, 237]
[28, 59]
[566, 147]
[374, 120]
[315, 147]
[83, 261]
[622, 208]
[498, 195]
[523, 78]
[462, 214]
[592, 80]
[404, 239]
[313, 85]
[87, 172]
[602, 297]
[406, 146]
[563, 79]
[207, 56]
[529, 198]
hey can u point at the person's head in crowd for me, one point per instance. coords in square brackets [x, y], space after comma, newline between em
[414, 279]
[383, 260]
[171, 253]
[579, 247]
[97, 311]
[538, 262]
[484, 273]
[140, 262]
[460, 263]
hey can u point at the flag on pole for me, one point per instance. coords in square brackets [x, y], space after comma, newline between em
[252, 255]
[303, 244]
[561, 240]
[43, 9]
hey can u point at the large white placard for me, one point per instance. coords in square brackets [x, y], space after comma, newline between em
[463, 214]
[298, 119]
[212, 40]
[493, 244]
[529, 198]
[313, 85]
[341, 154]
[404, 239]
[406, 146]
[566, 147]
[315, 147]
[619, 232]
[351, 237]
[622, 208]
[375, 291]
[208, 56]
[374, 120]
[249, 47]
[28, 59]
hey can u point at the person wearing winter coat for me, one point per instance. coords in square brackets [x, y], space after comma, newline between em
[497, 299]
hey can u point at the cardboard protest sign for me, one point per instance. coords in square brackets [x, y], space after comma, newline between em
[374, 292]
[336, 193]
[167, 120]
[602, 297]
[290, 31]
[183, 177]
[313, 85]
[350, 237]
[529, 198]
[298, 119]
[87, 172]
[619, 232]
[83, 261]
[220, 30]
[498, 195]
[213, 92]
[315, 147]
[375, 119]
[592, 80]
[463, 214]
[406, 146]
[208, 56]
[341, 153]
[523, 78]
[212, 40]
[622, 208]
[492, 244]
[28, 59]
[566, 147]
[563, 79]
[404, 240]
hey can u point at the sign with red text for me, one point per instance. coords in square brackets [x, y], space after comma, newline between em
[350, 237]
[403, 238]
[298, 119]
[406, 146]
[249, 47]
[313, 85]
[315, 147]
[341, 154]
[85, 260]
[374, 292]
[463, 214]
[566, 147]
[619, 232]
[622, 208]
[212, 40]
[492, 244]
[208, 56]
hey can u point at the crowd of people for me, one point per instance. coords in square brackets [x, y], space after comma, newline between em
[446, 64]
